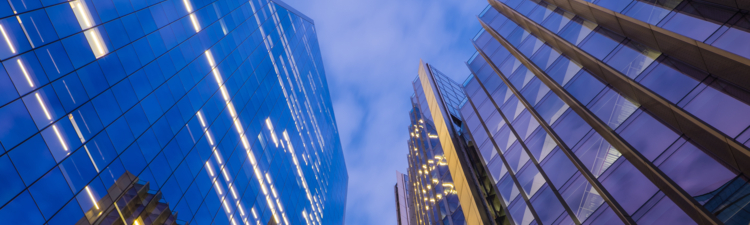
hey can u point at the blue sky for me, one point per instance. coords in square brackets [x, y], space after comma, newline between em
[371, 51]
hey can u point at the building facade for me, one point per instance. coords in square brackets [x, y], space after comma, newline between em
[446, 186]
[404, 214]
[613, 112]
[221, 107]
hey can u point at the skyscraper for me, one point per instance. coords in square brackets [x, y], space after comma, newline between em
[221, 106]
[404, 213]
[613, 112]
[446, 185]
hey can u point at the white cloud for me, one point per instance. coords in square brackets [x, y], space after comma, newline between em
[371, 50]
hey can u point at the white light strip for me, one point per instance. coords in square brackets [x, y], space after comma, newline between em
[25, 74]
[91, 196]
[44, 108]
[7, 40]
[59, 137]
[208, 167]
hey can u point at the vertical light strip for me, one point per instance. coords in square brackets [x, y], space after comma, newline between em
[59, 137]
[193, 19]
[23, 70]
[91, 196]
[44, 108]
[7, 40]
[86, 21]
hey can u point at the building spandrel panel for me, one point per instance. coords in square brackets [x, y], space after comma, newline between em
[221, 107]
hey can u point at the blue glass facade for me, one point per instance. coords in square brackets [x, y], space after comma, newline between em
[223, 106]
[600, 112]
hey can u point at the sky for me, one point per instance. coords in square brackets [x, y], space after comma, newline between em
[371, 51]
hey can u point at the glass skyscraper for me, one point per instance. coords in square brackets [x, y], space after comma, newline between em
[446, 185]
[601, 112]
[221, 108]
[614, 112]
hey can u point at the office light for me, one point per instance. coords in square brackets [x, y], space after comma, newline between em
[7, 40]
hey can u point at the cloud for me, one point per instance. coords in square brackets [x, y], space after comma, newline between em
[371, 50]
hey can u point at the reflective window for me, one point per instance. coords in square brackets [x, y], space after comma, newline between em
[507, 188]
[669, 80]
[558, 167]
[571, 128]
[696, 172]
[557, 20]
[628, 186]
[563, 70]
[721, 111]
[577, 30]
[582, 198]
[530, 179]
[600, 43]
[648, 135]
[584, 87]
[649, 12]
[597, 154]
[520, 213]
[632, 58]
[612, 108]
[549, 207]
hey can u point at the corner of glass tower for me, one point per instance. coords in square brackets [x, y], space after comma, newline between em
[205, 112]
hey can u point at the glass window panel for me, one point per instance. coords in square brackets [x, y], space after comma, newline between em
[494, 122]
[571, 128]
[577, 30]
[38, 27]
[696, 172]
[669, 82]
[606, 217]
[612, 108]
[597, 154]
[632, 58]
[540, 144]
[628, 186]
[582, 198]
[733, 41]
[530, 46]
[32, 159]
[78, 170]
[504, 138]
[507, 188]
[600, 43]
[649, 12]
[585, 87]
[498, 21]
[530, 179]
[12, 183]
[525, 124]
[70, 92]
[697, 19]
[517, 36]
[520, 213]
[563, 70]
[521, 77]
[542, 12]
[516, 157]
[648, 135]
[509, 66]
[21, 210]
[545, 57]
[502, 94]
[17, 123]
[549, 208]
[26, 73]
[44, 107]
[52, 192]
[551, 108]
[727, 114]
[507, 28]
[535, 91]
[690, 26]
[557, 20]
[54, 59]
[665, 212]
[63, 19]
[496, 168]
